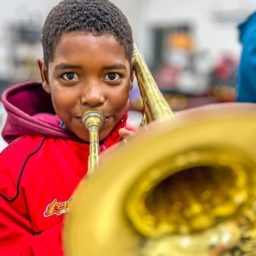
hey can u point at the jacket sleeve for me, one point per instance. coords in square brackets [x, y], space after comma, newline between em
[246, 77]
[18, 239]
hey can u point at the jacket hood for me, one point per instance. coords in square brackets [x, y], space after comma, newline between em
[30, 112]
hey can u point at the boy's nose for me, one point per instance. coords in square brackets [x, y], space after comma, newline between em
[92, 95]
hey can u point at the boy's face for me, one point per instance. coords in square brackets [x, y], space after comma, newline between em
[87, 72]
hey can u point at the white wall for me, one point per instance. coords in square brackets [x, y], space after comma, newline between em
[23, 10]
[143, 15]
[211, 35]
[30, 11]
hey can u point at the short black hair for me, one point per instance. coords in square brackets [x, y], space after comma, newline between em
[95, 16]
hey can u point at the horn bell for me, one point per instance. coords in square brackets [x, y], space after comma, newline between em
[181, 188]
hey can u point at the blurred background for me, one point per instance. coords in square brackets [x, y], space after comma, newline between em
[191, 47]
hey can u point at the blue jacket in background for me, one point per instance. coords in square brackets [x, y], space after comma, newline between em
[246, 83]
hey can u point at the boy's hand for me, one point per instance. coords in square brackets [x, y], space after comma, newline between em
[125, 133]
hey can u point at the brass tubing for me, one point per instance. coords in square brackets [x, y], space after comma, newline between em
[93, 121]
[155, 106]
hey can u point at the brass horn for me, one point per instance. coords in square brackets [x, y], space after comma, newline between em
[155, 106]
[185, 187]
[93, 120]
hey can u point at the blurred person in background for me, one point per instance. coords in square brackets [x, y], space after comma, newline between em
[246, 80]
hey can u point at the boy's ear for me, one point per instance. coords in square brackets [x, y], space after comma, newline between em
[44, 75]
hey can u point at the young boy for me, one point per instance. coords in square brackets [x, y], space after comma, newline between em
[87, 46]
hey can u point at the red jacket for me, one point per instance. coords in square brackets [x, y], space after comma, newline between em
[38, 176]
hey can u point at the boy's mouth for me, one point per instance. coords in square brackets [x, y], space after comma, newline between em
[106, 118]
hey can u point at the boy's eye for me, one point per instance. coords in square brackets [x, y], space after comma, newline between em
[70, 76]
[112, 76]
